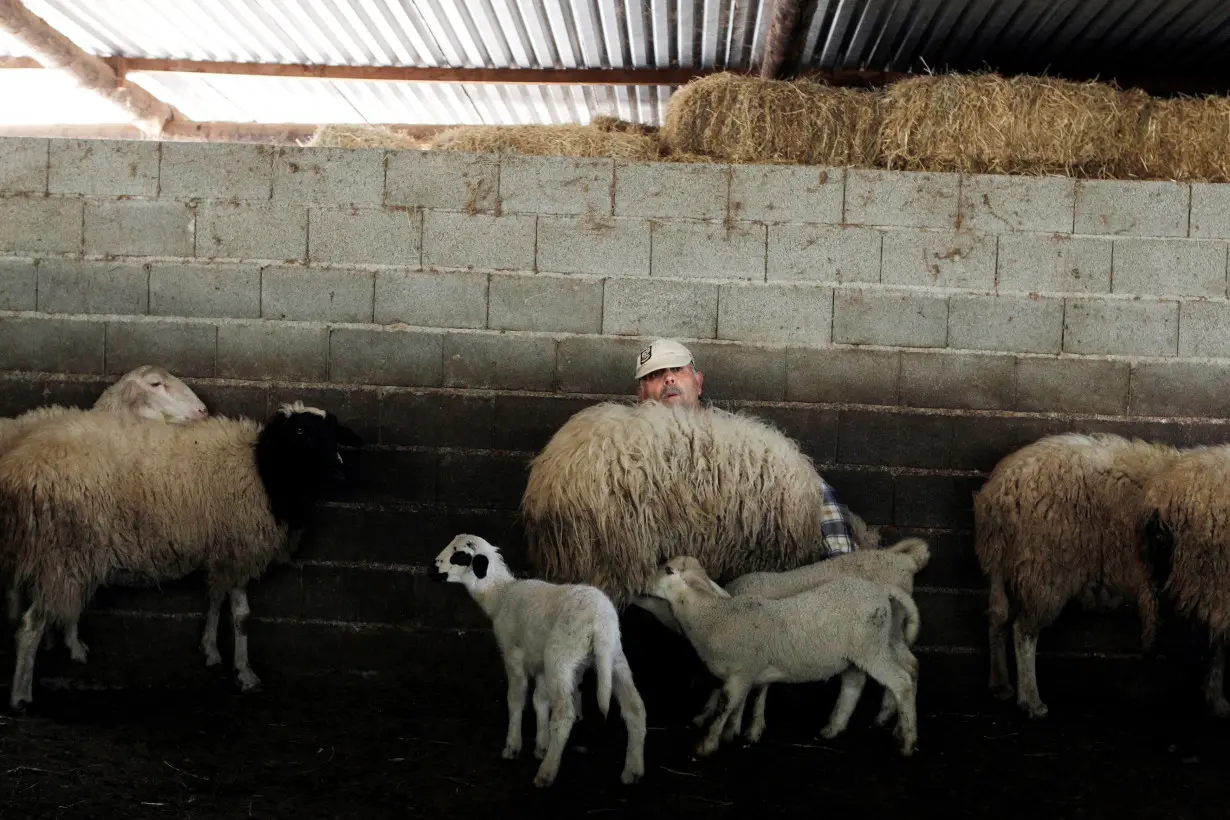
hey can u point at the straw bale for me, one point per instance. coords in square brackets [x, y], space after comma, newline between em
[363, 136]
[546, 140]
[1186, 139]
[741, 119]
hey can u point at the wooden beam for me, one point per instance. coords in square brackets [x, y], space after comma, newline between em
[57, 52]
[178, 130]
[778, 36]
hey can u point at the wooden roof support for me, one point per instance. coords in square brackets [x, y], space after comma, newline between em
[779, 36]
[57, 52]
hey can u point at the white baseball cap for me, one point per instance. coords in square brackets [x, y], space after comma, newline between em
[661, 354]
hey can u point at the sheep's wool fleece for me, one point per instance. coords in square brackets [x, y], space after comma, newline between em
[85, 497]
[1192, 499]
[621, 488]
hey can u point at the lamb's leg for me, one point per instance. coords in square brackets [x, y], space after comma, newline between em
[888, 671]
[517, 683]
[852, 681]
[28, 635]
[1027, 696]
[542, 714]
[633, 710]
[734, 690]
[559, 688]
[757, 728]
[248, 681]
[888, 703]
[1214, 682]
[710, 708]
[77, 649]
[209, 639]
[998, 615]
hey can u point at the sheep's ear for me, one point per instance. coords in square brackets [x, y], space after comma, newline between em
[461, 559]
[480, 566]
[698, 584]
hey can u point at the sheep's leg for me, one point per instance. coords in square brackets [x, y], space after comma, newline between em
[559, 688]
[33, 623]
[710, 708]
[209, 639]
[1214, 683]
[1000, 680]
[248, 681]
[542, 714]
[734, 690]
[13, 599]
[888, 703]
[1027, 696]
[517, 683]
[895, 677]
[76, 647]
[757, 728]
[852, 681]
[735, 722]
[633, 710]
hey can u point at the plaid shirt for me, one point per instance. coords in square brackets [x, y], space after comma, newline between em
[835, 524]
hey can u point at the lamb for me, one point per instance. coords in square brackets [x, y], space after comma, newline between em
[849, 626]
[552, 632]
[618, 487]
[90, 496]
[1057, 520]
[895, 566]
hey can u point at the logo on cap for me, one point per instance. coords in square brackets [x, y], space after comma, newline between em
[646, 353]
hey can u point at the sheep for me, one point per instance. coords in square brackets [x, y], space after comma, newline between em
[90, 496]
[551, 632]
[896, 566]
[618, 487]
[1187, 546]
[1056, 521]
[849, 626]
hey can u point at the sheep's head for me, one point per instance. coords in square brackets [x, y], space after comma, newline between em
[153, 393]
[468, 560]
[681, 577]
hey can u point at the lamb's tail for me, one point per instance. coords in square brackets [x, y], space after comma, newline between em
[912, 619]
[606, 646]
[916, 549]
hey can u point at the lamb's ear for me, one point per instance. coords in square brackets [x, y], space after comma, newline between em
[701, 585]
[717, 590]
[480, 566]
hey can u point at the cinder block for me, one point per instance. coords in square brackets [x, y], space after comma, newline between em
[741, 371]
[40, 225]
[1170, 267]
[1204, 329]
[606, 247]
[941, 501]
[981, 441]
[708, 249]
[556, 185]
[213, 290]
[23, 165]
[652, 307]
[338, 176]
[103, 167]
[251, 231]
[570, 304]
[786, 193]
[130, 227]
[499, 361]
[356, 407]
[1136, 207]
[885, 317]
[216, 170]
[842, 375]
[1125, 327]
[1169, 389]
[999, 203]
[795, 313]
[315, 295]
[269, 350]
[386, 356]
[1210, 215]
[482, 480]
[827, 253]
[526, 423]
[1054, 263]
[1071, 385]
[437, 419]
[970, 381]
[18, 284]
[366, 236]
[186, 349]
[902, 198]
[1014, 323]
[947, 259]
[680, 191]
[74, 286]
[449, 180]
[895, 439]
[457, 240]
[598, 364]
[51, 345]
[431, 299]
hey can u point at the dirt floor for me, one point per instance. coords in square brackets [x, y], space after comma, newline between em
[428, 745]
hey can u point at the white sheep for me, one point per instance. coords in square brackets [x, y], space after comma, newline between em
[89, 496]
[844, 627]
[896, 566]
[551, 633]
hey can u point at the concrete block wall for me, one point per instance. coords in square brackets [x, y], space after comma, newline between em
[909, 329]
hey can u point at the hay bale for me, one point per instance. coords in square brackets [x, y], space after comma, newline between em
[749, 120]
[1186, 139]
[605, 122]
[985, 123]
[546, 140]
[363, 136]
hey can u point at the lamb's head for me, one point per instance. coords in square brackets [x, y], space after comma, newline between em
[470, 560]
[152, 392]
[681, 578]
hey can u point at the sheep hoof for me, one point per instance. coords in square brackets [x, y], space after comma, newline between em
[829, 732]
[705, 749]
[248, 681]
[540, 752]
[20, 707]
[631, 775]
[1036, 711]
[544, 778]
[1221, 708]
[1002, 691]
[79, 653]
[212, 657]
[511, 751]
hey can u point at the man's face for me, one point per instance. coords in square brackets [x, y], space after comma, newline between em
[675, 386]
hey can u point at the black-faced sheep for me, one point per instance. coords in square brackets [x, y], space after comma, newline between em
[91, 495]
[619, 488]
[1056, 521]
[550, 633]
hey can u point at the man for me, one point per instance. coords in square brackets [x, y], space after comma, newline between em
[666, 372]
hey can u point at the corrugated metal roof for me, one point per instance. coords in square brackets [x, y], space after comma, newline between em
[1078, 37]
